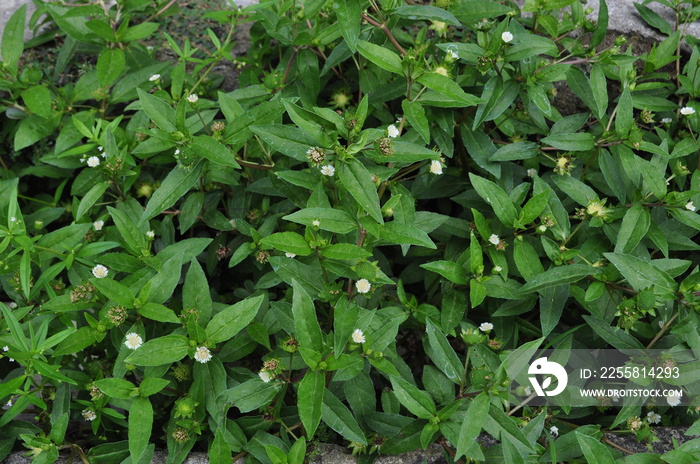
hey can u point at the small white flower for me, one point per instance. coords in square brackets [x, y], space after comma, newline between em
[542, 229]
[154, 77]
[506, 36]
[554, 431]
[358, 336]
[392, 131]
[12, 305]
[98, 225]
[5, 348]
[532, 172]
[150, 234]
[653, 418]
[100, 148]
[193, 98]
[616, 398]
[690, 207]
[133, 340]
[528, 391]
[486, 327]
[661, 324]
[202, 354]
[435, 167]
[673, 399]
[100, 271]
[177, 151]
[265, 376]
[103, 154]
[290, 255]
[89, 415]
[328, 170]
[13, 219]
[93, 161]
[441, 70]
[687, 110]
[666, 121]
[453, 54]
[316, 223]
[8, 405]
[494, 239]
[363, 286]
[497, 269]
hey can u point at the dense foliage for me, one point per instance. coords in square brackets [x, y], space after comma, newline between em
[352, 246]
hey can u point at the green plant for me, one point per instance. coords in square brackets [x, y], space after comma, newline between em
[359, 241]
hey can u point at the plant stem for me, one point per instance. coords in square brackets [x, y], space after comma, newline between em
[386, 31]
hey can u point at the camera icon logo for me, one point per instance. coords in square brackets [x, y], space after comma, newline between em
[552, 370]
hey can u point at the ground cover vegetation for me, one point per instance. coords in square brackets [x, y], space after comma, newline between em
[354, 246]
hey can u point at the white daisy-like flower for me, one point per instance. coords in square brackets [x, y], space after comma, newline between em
[290, 255]
[392, 131]
[554, 431]
[265, 376]
[687, 110]
[154, 77]
[89, 415]
[316, 223]
[673, 399]
[506, 36]
[202, 354]
[436, 167]
[666, 121]
[93, 161]
[690, 207]
[100, 271]
[497, 269]
[486, 327]
[133, 340]
[363, 286]
[150, 234]
[653, 418]
[494, 239]
[12, 305]
[532, 172]
[193, 98]
[441, 70]
[328, 170]
[98, 225]
[358, 336]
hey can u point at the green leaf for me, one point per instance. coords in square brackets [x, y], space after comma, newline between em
[471, 11]
[215, 151]
[228, 322]
[163, 350]
[140, 427]
[338, 417]
[497, 198]
[415, 400]
[158, 312]
[558, 275]
[115, 291]
[110, 64]
[332, 220]
[601, 28]
[415, 113]
[158, 110]
[633, 229]
[641, 274]
[615, 336]
[454, 307]
[134, 240]
[471, 427]
[477, 292]
[448, 269]
[310, 400]
[177, 183]
[534, 207]
[449, 88]
[425, 12]
[306, 326]
[594, 451]
[349, 14]
[358, 181]
[625, 114]
[77, 341]
[91, 197]
[599, 89]
[405, 234]
[289, 242]
[163, 284]
[578, 141]
[653, 19]
[382, 57]
[194, 295]
[442, 353]
[116, 388]
[345, 251]
[250, 395]
[552, 302]
[13, 36]
[531, 45]
[219, 451]
[38, 100]
[516, 151]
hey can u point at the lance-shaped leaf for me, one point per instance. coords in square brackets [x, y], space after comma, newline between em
[163, 350]
[358, 181]
[227, 323]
